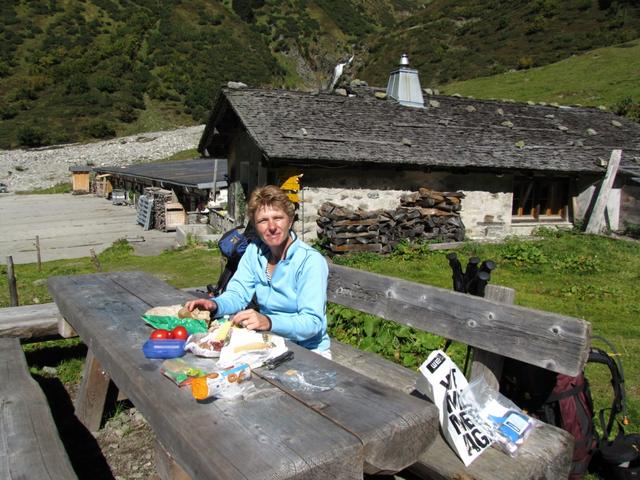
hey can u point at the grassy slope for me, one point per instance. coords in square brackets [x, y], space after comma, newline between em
[599, 77]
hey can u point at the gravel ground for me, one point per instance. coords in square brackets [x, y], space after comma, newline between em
[24, 170]
[124, 447]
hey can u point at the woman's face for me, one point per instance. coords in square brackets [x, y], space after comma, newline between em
[273, 225]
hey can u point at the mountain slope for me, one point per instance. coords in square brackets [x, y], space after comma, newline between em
[72, 71]
[605, 76]
[460, 39]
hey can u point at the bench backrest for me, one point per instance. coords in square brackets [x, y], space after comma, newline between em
[548, 340]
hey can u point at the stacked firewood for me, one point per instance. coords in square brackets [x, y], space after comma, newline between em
[160, 198]
[421, 216]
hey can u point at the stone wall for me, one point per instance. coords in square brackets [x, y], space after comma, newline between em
[486, 212]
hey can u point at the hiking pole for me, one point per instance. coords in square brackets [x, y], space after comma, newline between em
[470, 272]
[488, 266]
[458, 279]
[479, 284]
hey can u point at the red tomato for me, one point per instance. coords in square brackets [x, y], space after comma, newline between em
[160, 334]
[180, 333]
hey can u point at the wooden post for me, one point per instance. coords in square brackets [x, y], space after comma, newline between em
[95, 260]
[38, 253]
[92, 394]
[11, 279]
[65, 330]
[488, 364]
[597, 219]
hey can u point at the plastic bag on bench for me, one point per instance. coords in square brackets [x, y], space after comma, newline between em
[443, 382]
[507, 424]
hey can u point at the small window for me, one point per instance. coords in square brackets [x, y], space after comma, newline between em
[540, 198]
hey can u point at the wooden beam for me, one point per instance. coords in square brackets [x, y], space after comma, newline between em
[545, 454]
[548, 340]
[597, 220]
[29, 322]
[41, 321]
[30, 446]
[489, 364]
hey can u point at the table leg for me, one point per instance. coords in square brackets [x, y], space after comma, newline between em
[65, 330]
[92, 394]
[166, 467]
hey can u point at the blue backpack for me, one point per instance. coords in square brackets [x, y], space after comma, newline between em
[232, 246]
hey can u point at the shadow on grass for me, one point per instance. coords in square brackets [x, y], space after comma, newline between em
[82, 448]
[55, 355]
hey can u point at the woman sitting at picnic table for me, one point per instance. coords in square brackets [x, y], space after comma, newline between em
[287, 276]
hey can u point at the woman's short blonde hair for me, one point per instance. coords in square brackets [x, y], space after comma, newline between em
[270, 196]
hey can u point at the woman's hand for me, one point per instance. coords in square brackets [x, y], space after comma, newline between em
[252, 320]
[202, 303]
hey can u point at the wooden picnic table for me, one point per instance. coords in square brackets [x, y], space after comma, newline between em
[276, 432]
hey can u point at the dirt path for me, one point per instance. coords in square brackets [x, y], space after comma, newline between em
[68, 226]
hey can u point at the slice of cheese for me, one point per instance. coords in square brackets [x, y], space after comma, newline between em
[221, 333]
[252, 346]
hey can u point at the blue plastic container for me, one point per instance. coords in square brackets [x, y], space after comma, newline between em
[163, 348]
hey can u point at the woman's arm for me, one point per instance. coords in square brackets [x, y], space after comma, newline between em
[242, 285]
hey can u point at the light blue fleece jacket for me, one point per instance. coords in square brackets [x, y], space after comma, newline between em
[295, 299]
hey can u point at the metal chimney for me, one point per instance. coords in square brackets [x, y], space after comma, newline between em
[404, 85]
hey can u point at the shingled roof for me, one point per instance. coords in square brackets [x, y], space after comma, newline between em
[450, 133]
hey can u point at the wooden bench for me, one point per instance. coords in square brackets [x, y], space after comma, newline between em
[30, 446]
[495, 330]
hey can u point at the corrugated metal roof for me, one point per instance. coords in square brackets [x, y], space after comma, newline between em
[196, 173]
[451, 132]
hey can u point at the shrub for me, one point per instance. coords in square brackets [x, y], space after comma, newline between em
[632, 229]
[106, 84]
[628, 108]
[126, 113]
[31, 136]
[525, 63]
[76, 84]
[537, 25]
[522, 253]
[99, 129]
[573, 263]
[7, 112]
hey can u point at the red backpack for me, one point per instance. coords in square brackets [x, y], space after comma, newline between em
[566, 402]
[570, 407]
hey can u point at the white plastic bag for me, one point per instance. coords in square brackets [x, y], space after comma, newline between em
[251, 347]
[442, 381]
[507, 424]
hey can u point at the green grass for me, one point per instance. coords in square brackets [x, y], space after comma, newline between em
[157, 116]
[583, 276]
[600, 77]
[182, 155]
[64, 187]
[185, 267]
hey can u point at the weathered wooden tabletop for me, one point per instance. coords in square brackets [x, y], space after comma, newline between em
[276, 432]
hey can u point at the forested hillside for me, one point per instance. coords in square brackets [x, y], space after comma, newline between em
[76, 70]
[461, 39]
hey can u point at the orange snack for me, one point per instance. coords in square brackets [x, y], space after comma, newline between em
[199, 388]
